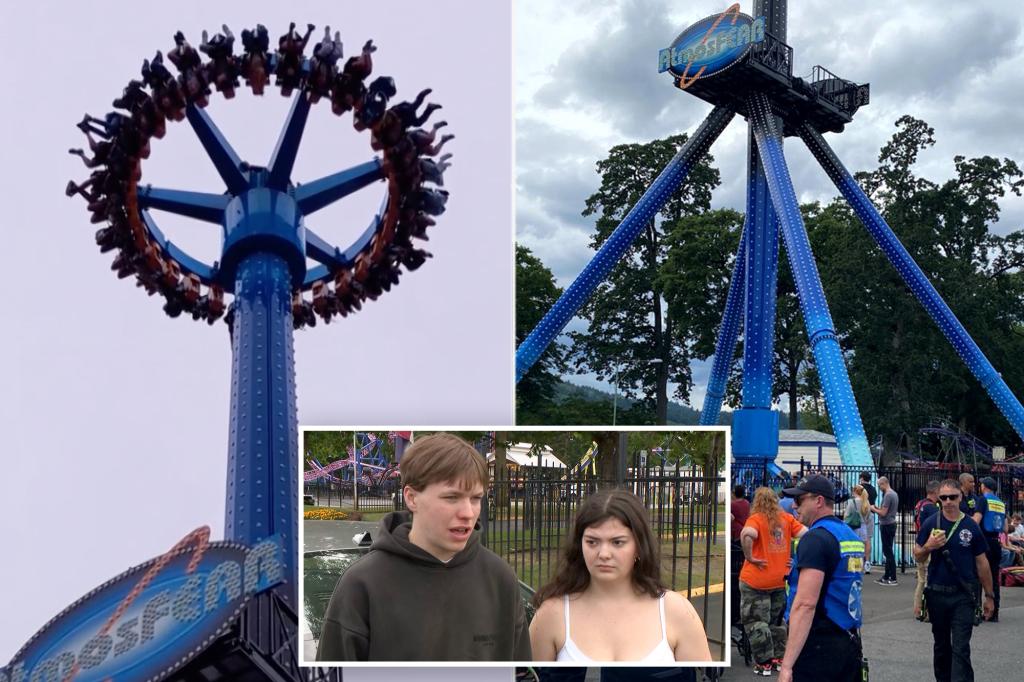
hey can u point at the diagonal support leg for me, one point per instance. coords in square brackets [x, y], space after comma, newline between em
[725, 344]
[620, 240]
[916, 280]
[828, 357]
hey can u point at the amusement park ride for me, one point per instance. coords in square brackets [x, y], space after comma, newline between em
[366, 464]
[742, 65]
[237, 620]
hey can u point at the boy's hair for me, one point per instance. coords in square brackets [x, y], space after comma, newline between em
[442, 458]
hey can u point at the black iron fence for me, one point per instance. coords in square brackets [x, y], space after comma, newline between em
[373, 496]
[528, 517]
[908, 479]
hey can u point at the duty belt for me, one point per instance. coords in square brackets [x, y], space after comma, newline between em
[945, 589]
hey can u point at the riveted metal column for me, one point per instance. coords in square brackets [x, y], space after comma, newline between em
[828, 356]
[263, 445]
[725, 344]
[755, 425]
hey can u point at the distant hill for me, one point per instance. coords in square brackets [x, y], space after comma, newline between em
[678, 414]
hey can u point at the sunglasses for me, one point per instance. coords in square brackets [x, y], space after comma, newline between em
[949, 498]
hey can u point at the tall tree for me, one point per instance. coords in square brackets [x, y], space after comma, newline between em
[536, 292]
[631, 337]
[903, 371]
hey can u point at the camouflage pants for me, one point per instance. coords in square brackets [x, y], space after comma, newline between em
[761, 615]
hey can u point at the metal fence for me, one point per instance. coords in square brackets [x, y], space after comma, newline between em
[528, 517]
[372, 496]
[908, 479]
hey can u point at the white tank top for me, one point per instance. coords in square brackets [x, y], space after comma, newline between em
[662, 653]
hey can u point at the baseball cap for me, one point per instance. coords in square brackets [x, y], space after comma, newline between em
[989, 482]
[815, 484]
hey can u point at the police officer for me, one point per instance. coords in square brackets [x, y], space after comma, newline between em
[823, 609]
[993, 522]
[956, 548]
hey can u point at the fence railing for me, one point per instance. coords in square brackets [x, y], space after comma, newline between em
[775, 54]
[373, 497]
[908, 479]
[528, 518]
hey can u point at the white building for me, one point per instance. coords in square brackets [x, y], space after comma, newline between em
[816, 448]
[519, 455]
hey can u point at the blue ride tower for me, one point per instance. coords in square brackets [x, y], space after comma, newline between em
[742, 65]
[262, 214]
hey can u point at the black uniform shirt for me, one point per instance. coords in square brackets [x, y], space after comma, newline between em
[963, 546]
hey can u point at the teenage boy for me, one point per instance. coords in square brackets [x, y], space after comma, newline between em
[428, 590]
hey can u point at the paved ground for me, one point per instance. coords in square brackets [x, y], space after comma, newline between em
[323, 536]
[899, 649]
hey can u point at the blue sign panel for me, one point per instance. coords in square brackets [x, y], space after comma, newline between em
[152, 619]
[711, 45]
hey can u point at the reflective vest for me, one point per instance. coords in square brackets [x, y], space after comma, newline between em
[993, 519]
[842, 592]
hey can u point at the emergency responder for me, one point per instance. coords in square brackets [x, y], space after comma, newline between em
[957, 549]
[993, 522]
[824, 607]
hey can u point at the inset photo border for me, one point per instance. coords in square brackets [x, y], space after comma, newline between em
[407, 506]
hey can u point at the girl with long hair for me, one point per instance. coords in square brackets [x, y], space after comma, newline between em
[766, 539]
[858, 503]
[607, 601]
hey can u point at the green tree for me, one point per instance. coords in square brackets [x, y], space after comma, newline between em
[629, 325]
[903, 371]
[536, 292]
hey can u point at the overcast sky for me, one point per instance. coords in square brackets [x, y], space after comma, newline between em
[587, 79]
[114, 417]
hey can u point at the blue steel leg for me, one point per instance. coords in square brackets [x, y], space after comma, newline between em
[947, 322]
[263, 445]
[828, 357]
[619, 241]
[725, 345]
[762, 271]
[755, 425]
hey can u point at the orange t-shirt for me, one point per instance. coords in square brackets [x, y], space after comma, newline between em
[772, 546]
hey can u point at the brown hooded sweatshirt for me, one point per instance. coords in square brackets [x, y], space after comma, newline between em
[400, 603]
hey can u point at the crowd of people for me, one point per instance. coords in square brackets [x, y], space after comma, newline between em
[120, 140]
[801, 580]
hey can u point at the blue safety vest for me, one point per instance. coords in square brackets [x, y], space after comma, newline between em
[993, 518]
[842, 593]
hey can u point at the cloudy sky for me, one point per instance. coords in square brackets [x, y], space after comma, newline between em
[587, 79]
[114, 417]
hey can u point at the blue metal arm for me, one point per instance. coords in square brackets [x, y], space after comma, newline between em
[224, 158]
[348, 256]
[828, 357]
[916, 280]
[199, 205]
[319, 249]
[188, 263]
[313, 196]
[619, 241]
[725, 345]
[283, 160]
